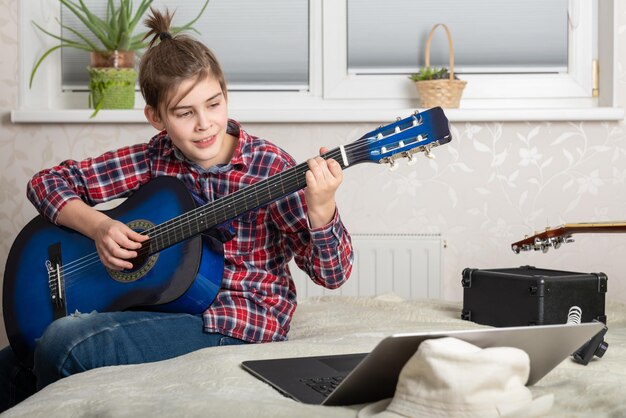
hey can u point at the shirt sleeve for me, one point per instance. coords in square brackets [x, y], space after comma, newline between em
[112, 175]
[331, 258]
[325, 253]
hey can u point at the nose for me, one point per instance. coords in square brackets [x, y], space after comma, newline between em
[203, 121]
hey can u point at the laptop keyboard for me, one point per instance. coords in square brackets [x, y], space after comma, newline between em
[323, 385]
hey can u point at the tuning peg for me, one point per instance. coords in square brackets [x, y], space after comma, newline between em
[418, 117]
[426, 150]
[393, 165]
[411, 158]
[539, 245]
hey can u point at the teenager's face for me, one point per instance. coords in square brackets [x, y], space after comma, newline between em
[196, 121]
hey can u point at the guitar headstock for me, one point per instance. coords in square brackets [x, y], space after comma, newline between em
[543, 241]
[419, 132]
[556, 236]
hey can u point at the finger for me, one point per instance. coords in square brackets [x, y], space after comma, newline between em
[136, 236]
[117, 264]
[113, 250]
[323, 167]
[123, 253]
[316, 168]
[112, 262]
[335, 169]
[119, 246]
[311, 182]
[323, 150]
[132, 239]
[128, 238]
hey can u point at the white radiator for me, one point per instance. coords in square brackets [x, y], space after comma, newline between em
[409, 265]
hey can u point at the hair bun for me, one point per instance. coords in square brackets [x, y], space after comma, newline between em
[165, 35]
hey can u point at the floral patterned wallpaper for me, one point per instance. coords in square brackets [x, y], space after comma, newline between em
[495, 183]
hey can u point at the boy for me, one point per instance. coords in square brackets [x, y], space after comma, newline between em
[186, 100]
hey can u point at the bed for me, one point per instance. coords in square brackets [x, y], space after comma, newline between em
[210, 382]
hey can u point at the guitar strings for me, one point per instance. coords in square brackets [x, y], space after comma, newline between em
[358, 150]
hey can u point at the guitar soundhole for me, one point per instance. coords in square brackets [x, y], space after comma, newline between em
[143, 263]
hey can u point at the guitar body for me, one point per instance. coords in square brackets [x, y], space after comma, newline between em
[182, 278]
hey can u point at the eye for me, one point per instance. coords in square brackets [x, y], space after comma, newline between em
[184, 114]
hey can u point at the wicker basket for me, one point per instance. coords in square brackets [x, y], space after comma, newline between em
[444, 93]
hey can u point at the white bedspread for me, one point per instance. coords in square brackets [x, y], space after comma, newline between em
[210, 382]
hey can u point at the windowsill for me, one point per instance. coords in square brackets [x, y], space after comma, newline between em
[302, 107]
[335, 114]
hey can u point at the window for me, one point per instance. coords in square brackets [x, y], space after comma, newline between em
[348, 60]
[560, 68]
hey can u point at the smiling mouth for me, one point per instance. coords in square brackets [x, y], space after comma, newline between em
[203, 140]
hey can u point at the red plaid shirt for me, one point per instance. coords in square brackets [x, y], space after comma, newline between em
[258, 297]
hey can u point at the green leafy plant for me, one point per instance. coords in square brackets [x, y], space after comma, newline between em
[114, 32]
[431, 73]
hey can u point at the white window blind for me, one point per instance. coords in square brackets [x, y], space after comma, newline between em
[490, 36]
[261, 45]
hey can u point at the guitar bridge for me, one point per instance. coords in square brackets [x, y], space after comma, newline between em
[56, 283]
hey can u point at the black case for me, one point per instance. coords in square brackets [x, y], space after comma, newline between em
[531, 296]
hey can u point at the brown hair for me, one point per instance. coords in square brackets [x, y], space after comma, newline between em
[171, 59]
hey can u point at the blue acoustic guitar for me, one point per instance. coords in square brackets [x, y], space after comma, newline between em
[53, 271]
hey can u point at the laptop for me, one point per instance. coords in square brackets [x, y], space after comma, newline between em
[348, 379]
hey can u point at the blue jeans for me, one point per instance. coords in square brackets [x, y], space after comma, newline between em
[81, 342]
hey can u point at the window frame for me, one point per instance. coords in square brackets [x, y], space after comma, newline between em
[334, 95]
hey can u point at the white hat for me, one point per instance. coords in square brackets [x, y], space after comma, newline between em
[448, 377]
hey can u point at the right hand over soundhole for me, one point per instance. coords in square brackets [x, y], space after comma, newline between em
[117, 243]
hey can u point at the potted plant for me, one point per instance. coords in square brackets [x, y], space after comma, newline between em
[112, 45]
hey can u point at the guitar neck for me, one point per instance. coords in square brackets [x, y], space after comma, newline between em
[233, 205]
[595, 227]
